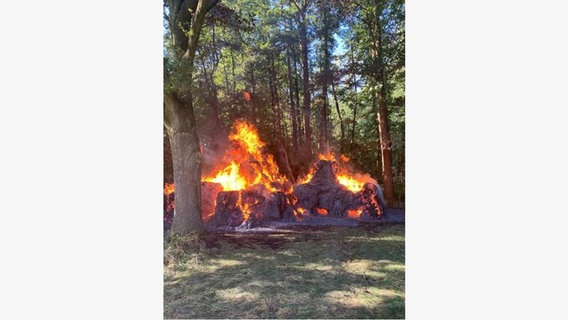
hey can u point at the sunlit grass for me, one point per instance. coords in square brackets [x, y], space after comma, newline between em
[337, 273]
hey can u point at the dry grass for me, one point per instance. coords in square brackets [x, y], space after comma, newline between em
[324, 273]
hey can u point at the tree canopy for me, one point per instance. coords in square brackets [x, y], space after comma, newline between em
[313, 76]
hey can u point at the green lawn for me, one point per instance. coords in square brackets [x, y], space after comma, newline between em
[302, 273]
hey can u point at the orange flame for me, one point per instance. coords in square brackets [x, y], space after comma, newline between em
[351, 182]
[169, 188]
[307, 177]
[354, 213]
[229, 178]
[300, 212]
[247, 164]
[327, 156]
[244, 208]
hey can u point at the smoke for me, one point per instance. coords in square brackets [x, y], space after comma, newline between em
[213, 151]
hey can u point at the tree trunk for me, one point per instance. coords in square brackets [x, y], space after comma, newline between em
[214, 100]
[386, 146]
[211, 89]
[382, 111]
[354, 82]
[306, 78]
[353, 123]
[324, 135]
[297, 95]
[342, 139]
[233, 71]
[184, 142]
[275, 96]
[179, 119]
[253, 96]
[292, 103]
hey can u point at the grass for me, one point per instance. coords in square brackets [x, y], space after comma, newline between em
[306, 273]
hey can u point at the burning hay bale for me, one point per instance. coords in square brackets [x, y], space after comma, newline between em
[234, 208]
[228, 212]
[246, 189]
[371, 200]
[209, 191]
[323, 195]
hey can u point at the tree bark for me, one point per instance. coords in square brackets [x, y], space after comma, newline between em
[324, 127]
[353, 123]
[214, 112]
[253, 96]
[341, 126]
[354, 82]
[385, 144]
[275, 97]
[306, 78]
[184, 142]
[292, 103]
[179, 118]
[297, 95]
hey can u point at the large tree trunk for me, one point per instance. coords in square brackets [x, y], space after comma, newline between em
[184, 142]
[179, 118]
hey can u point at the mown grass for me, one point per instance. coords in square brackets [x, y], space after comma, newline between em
[323, 273]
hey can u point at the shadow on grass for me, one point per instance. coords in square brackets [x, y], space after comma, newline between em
[338, 273]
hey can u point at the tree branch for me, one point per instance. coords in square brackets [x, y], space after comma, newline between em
[295, 4]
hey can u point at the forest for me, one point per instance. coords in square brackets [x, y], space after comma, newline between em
[313, 77]
[284, 143]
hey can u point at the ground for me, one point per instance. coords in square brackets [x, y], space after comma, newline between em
[299, 272]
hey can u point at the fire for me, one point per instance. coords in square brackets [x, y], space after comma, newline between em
[307, 177]
[169, 188]
[247, 164]
[350, 183]
[300, 212]
[229, 178]
[354, 213]
[247, 137]
[244, 208]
